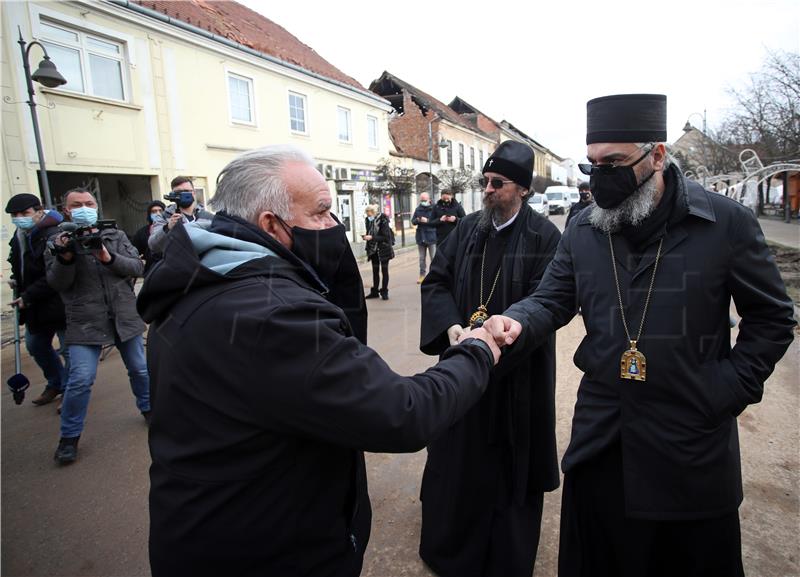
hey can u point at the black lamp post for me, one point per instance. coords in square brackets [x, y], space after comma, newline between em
[46, 75]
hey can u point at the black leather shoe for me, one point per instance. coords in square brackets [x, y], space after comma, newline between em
[385, 294]
[67, 450]
[147, 415]
[373, 294]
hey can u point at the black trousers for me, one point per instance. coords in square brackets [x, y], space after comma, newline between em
[598, 540]
[378, 266]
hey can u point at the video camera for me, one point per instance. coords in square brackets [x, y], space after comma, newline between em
[183, 198]
[82, 239]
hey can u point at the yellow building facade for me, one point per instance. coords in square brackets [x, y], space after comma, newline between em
[149, 98]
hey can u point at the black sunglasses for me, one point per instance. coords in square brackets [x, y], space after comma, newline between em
[609, 169]
[497, 183]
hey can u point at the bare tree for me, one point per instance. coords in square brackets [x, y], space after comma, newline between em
[457, 181]
[392, 178]
[767, 115]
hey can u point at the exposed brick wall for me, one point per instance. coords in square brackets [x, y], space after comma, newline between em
[410, 131]
[488, 125]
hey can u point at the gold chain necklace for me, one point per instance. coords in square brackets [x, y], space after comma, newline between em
[479, 316]
[633, 364]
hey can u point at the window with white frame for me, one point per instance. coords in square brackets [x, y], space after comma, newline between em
[460, 155]
[372, 132]
[472, 158]
[480, 158]
[297, 113]
[240, 96]
[449, 153]
[91, 64]
[344, 124]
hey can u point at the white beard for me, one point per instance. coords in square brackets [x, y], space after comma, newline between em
[632, 211]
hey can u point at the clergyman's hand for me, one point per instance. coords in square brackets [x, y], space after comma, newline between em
[482, 334]
[454, 332]
[504, 330]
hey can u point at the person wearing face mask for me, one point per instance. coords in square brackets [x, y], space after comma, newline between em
[379, 250]
[96, 286]
[184, 209]
[40, 307]
[652, 473]
[426, 232]
[585, 192]
[264, 399]
[154, 211]
[447, 213]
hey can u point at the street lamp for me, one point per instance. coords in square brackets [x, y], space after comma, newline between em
[687, 128]
[442, 144]
[46, 75]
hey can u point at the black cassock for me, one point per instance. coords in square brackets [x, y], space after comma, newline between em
[484, 478]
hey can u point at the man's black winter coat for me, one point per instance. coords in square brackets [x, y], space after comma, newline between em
[43, 308]
[678, 432]
[262, 403]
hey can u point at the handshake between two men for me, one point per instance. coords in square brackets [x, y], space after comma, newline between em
[498, 329]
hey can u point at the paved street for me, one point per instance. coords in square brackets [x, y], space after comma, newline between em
[90, 519]
[785, 233]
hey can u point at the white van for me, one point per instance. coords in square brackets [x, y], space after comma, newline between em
[558, 197]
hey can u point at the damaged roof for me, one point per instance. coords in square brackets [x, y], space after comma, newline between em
[391, 88]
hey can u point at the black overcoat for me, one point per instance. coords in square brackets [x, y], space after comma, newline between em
[678, 432]
[43, 309]
[440, 209]
[460, 479]
[262, 403]
[380, 246]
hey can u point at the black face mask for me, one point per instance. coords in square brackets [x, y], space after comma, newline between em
[584, 196]
[320, 249]
[611, 185]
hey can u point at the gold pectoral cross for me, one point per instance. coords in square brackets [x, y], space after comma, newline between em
[633, 365]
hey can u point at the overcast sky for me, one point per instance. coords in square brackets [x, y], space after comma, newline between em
[536, 63]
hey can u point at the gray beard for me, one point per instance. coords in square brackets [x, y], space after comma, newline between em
[632, 211]
[492, 216]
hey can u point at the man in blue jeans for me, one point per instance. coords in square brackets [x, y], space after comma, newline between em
[95, 280]
[40, 307]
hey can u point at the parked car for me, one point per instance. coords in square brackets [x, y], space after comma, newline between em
[558, 199]
[574, 196]
[538, 202]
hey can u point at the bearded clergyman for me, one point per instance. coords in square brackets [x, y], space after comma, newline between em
[652, 474]
[484, 479]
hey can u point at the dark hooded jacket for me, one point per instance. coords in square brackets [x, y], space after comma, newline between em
[678, 431]
[140, 238]
[43, 308]
[442, 208]
[262, 403]
[426, 231]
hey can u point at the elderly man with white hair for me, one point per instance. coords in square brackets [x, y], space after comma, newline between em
[263, 399]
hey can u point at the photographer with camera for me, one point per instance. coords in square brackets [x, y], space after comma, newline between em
[40, 308]
[184, 209]
[92, 264]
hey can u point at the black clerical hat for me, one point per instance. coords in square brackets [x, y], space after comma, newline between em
[627, 118]
[513, 160]
[22, 202]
